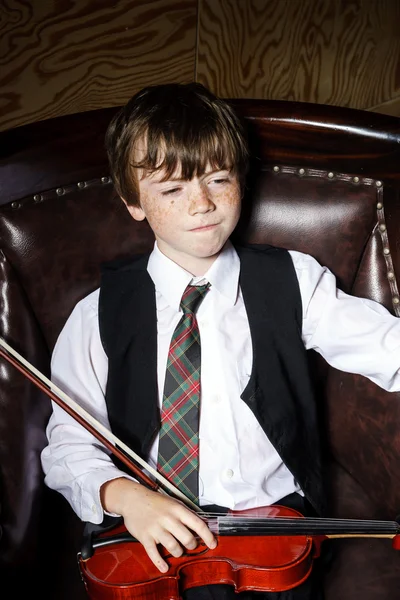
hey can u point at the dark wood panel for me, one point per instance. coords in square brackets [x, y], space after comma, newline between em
[390, 107]
[338, 52]
[60, 57]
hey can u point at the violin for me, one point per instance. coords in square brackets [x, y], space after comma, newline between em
[266, 549]
[263, 549]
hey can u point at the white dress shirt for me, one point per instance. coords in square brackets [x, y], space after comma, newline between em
[239, 467]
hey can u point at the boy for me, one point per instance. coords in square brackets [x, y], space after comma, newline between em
[178, 158]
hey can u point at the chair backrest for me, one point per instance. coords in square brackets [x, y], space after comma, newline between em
[324, 180]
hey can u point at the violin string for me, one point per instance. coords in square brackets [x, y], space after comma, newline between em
[306, 527]
[242, 517]
[290, 520]
[231, 523]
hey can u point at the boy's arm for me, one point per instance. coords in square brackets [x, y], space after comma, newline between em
[74, 462]
[355, 335]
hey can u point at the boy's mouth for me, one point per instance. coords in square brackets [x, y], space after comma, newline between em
[204, 227]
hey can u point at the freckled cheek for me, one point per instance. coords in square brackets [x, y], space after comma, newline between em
[161, 217]
[230, 204]
[229, 197]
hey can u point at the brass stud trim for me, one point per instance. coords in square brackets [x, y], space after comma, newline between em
[390, 272]
[302, 171]
[378, 183]
[356, 179]
[276, 169]
[61, 191]
[331, 175]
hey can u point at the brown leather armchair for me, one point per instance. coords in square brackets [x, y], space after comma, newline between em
[324, 180]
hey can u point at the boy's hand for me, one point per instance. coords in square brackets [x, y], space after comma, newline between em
[153, 518]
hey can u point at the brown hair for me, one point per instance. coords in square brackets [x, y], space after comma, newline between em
[180, 125]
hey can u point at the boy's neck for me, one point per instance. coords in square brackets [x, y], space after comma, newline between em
[196, 266]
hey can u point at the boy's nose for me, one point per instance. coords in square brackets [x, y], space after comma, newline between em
[200, 200]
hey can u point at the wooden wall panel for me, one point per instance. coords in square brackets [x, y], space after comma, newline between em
[390, 107]
[338, 52]
[64, 56]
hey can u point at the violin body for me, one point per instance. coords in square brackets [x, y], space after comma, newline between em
[258, 563]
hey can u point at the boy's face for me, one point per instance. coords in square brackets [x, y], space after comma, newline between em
[192, 219]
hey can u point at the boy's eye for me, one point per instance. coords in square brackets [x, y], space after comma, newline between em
[170, 191]
[220, 180]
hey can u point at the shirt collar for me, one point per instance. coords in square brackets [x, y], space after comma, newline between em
[171, 280]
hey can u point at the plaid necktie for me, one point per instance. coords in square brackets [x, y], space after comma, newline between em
[178, 452]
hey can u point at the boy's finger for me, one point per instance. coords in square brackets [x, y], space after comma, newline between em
[155, 556]
[184, 535]
[202, 530]
[171, 544]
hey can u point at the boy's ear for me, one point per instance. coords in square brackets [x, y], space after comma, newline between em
[135, 211]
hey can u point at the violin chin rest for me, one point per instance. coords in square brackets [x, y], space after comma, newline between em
[92, 530]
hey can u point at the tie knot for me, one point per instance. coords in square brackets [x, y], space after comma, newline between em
[193, 297]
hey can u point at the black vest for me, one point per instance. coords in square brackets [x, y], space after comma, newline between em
[279, 391]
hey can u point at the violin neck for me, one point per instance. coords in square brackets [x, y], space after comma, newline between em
[332, 528]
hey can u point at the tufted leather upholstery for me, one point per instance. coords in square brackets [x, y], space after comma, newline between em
[324, 180]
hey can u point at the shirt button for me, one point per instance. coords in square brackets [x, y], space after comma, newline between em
[229, 473]
[94, 509]
[217, 399]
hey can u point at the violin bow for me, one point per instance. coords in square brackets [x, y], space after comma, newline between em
[84, 418]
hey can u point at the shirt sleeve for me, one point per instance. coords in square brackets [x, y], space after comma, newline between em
[75, 463]
[355, 335]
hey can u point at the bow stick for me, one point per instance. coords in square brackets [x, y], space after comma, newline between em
[106, 437]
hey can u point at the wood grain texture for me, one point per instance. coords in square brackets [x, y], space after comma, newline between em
[335, 52]
[60, 57]
[390, 107]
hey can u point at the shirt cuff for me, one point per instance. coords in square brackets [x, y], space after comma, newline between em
[91, 507]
